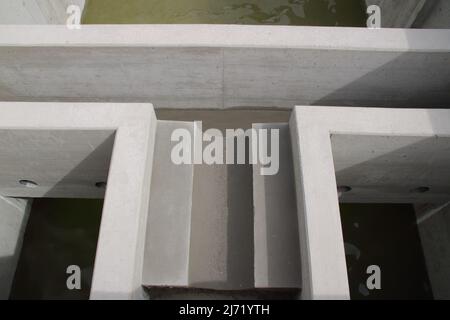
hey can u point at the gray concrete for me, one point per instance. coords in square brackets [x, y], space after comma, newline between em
[36, 11]
[13, 220]
[198, 66]
[221, 255]
[64, 163]
[423, 145]
[390, 168]
[277, 251]
[435, 238]
[120, 246]
[168, 235]
[398, 14]
[435, 14]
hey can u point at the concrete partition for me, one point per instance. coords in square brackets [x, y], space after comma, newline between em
[226, 66]
[378, 157]
[13, 220]
[64, 150]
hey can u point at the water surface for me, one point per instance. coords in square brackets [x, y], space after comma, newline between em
[256, 12]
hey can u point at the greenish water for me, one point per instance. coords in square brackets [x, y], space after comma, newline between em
[59, 233]
[257, 12]
[385, 235]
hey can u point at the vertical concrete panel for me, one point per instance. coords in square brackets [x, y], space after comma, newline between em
[277, 250]
[166, 259]
[435, 236]
[13, 219]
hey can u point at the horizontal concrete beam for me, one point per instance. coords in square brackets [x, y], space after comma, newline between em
[200, 66]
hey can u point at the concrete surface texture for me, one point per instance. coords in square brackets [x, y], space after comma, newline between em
[398, 14]
[435, 238]
[63, 163]
[277, 246]
[13, 219]
[216, 67]
[166, 261]
[323, 259]
[435, 14]
[119, 258]
[36, 11]
[211, 243]
[392, 168]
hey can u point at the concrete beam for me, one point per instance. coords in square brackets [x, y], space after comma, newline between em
[216, 67]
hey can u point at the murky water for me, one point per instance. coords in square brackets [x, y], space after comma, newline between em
[257, 12]
[385, 235]
[59, 233]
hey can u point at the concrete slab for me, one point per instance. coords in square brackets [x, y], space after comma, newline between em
[222, 66]
[277, 250]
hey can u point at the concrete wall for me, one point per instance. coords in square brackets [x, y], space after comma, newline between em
[435, 14]
[435, 237]
[36, 11]
[13, 220]
[313, 130]
[398, 13]
[219, 67]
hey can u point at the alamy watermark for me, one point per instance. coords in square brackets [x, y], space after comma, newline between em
[236, 146]
[74, 17]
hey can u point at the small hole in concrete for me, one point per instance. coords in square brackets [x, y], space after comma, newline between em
[28, 183]
[343, 189]
[420, 190]
[100, 184]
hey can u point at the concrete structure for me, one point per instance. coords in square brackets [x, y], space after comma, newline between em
[428, 14]
[63, 153]
[170, 213]
[204, 231]
[223, 227]
[277, 250]
[36, 11]
[216, 67]
[332, 147]
[13, 219]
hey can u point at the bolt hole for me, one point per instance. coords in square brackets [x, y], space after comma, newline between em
[421, 190]
[100, 184]
[28, 183]
[344, 189]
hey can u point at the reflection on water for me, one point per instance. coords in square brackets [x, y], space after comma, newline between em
[385, 235]
[266, 12]
[59, 233]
